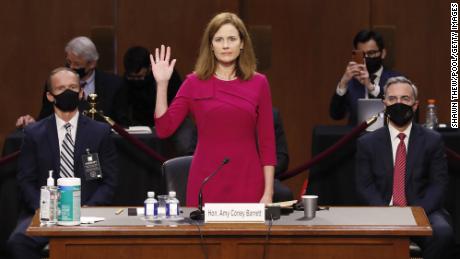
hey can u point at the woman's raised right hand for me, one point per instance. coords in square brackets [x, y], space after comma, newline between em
[162, 67]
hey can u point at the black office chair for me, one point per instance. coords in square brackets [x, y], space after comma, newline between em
[175, 173]
[415, 252]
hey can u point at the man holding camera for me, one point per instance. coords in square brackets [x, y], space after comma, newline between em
[364, 76]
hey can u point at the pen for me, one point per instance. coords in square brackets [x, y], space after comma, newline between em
[118, 212]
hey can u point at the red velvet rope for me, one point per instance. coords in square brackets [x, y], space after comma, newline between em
[341, 142]
[9, 157]
[139, 144]
[453, 158]
[122, 132]
[451, 155]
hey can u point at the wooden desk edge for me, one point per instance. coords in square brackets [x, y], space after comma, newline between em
[422, 228]
[421, 219]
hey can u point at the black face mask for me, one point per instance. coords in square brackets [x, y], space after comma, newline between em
[399, 113]
[373, 64]
[140, 84]
[67, 101]
[81, 72]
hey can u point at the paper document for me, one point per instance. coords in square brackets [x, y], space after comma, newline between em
[139, 130]
[90, 220]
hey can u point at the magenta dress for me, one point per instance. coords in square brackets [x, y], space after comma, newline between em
[234, 120]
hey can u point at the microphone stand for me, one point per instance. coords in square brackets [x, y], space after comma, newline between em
[199, 213]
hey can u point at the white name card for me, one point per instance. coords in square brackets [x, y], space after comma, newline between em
[234, 212]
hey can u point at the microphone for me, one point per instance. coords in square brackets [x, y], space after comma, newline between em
[199, 213]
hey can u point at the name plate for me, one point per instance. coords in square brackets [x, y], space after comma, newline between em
[234, 213]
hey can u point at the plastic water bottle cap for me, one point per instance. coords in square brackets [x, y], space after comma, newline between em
[431, 101]
[172, 194]
[50, 180]
[150, 194]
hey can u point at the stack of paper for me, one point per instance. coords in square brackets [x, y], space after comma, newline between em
[139, 130]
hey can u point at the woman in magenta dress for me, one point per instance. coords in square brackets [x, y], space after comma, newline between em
[232, 109]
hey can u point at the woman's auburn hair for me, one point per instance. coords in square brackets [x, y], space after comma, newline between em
[206, 63]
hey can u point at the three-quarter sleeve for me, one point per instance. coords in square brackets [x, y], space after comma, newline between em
[168, 123]
[265, 126]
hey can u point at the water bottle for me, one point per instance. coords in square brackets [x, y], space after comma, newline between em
[172, 206]
[431, 116]
[150, 206]
[48, 202]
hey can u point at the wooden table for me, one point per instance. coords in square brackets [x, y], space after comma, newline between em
[233, 240]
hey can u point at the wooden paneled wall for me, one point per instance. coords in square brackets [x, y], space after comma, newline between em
[303, 45]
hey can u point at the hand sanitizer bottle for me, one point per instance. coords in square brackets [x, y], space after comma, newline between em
[48, 202]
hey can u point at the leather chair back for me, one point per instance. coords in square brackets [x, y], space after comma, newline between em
[175, 172]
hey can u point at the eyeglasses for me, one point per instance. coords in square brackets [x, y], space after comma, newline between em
[372, 53]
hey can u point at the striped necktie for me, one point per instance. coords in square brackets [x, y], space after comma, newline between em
[67, 149]
[399, 174]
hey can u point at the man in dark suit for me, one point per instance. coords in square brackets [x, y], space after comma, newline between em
[45, 148]
[82, 57]
[361, 80]
[280, 191]
[387, 174]
[135, 102]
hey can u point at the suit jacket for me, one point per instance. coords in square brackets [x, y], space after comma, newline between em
[135, 106]
[426, 168]
[282, 155]
[340, 106]
[40, 153]
[106, 87]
